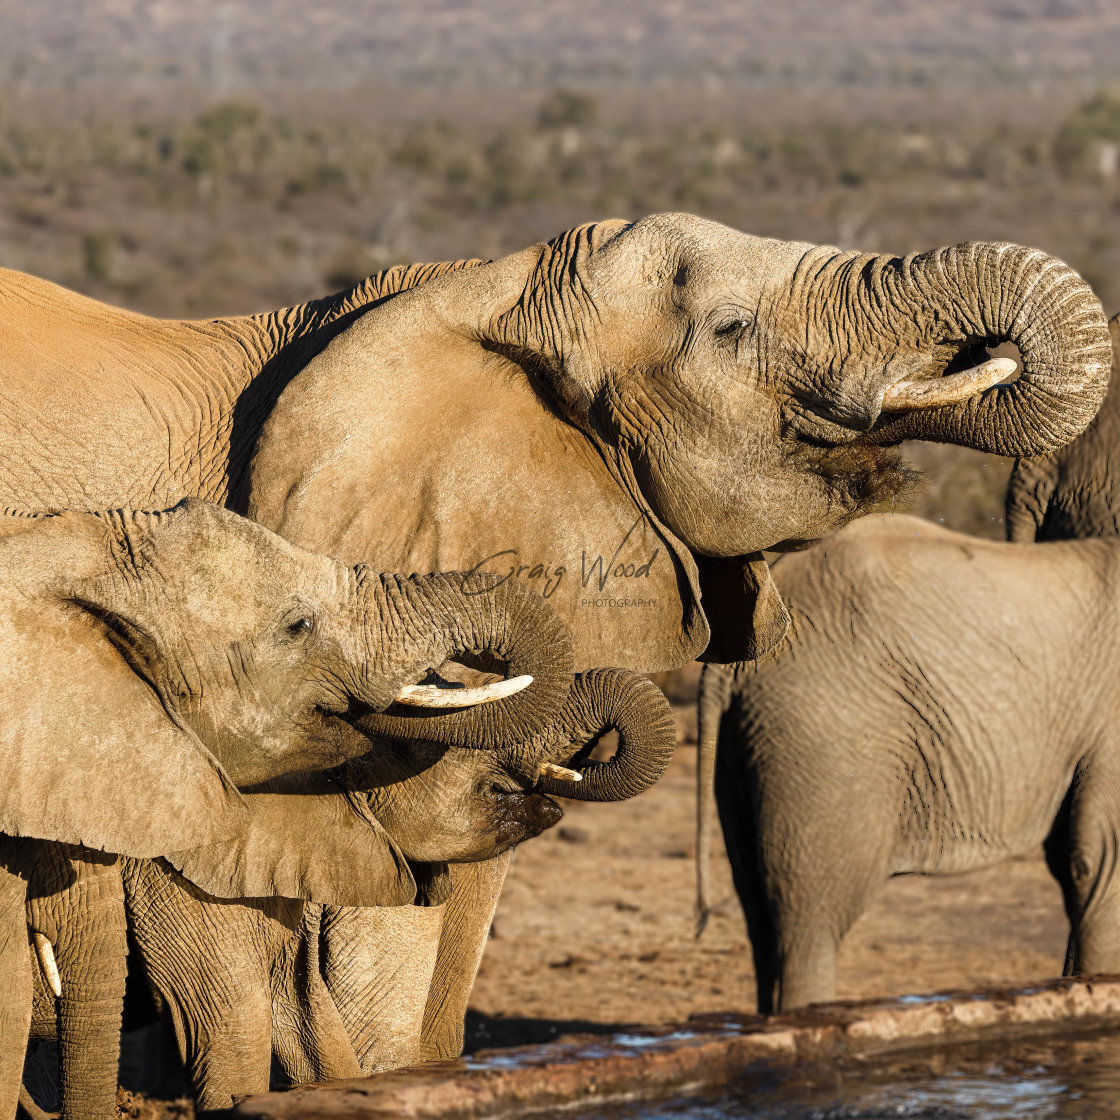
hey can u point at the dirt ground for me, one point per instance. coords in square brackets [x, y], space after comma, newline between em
[595, 926]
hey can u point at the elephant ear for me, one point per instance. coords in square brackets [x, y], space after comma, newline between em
[751, 618]
[323, 847]
[88, 754]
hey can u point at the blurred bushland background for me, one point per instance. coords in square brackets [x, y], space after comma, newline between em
[204, 157]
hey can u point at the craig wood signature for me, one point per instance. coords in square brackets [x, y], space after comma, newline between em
[597, 572]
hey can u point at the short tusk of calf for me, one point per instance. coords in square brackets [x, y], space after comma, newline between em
[45, 952]
[909, 396]
[432, 696]
[560, 773]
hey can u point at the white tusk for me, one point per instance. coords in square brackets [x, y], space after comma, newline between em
[432, 696]
[908, 396]
[45, 952]
[560, 773]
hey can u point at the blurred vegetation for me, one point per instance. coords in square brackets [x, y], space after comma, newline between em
[239, 207]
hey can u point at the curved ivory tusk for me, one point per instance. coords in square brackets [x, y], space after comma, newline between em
[432, 696]
[45, 952]
[560, 773]
[908, 396]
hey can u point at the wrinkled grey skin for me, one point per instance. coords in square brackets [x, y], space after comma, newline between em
[151, 663]
[312, 983]
[941, 703]
[1075, 491]
[670, 396]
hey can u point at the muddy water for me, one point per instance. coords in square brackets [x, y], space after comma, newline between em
[1070, 1079]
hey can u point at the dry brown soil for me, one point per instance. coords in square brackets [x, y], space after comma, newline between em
[595, 926]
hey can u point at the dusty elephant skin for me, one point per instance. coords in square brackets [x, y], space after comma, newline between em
[316, 984]
[919, 720]
[154, 662]
[1072, 492]
[621, 418]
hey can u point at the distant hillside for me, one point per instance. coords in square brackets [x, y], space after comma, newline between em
[932, 49]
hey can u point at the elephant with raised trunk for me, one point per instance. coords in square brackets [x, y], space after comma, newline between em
[151, 664]
[940, 704]
[1073, 491]
[623, 417]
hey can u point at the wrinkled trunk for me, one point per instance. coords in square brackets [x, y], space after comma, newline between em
[988, 293]
[425, 620]
[1029, 490]
[599, 701]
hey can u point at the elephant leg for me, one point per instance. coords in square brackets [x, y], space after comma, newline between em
[77, 902]
[1094, 878]
[378, 964]
[820, 865]
[736, 816]
[1056, 849]
[15, 974]
[468, 915]
[815, 907]
[209, 962]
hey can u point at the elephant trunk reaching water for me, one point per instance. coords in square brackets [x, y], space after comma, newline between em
[980, 294]
[443, 617]
[629, 703]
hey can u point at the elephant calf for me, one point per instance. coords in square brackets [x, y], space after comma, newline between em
[322, 986]
[940, 704]
[153, 665]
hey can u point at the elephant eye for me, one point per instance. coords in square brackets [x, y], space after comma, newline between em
[298, 626]
[732, 329]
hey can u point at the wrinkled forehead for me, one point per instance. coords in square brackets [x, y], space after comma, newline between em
[694, 255]
[226, 572]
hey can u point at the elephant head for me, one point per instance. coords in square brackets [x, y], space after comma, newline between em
[155, 663]
[646, 407]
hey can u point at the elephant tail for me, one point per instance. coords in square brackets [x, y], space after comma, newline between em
[713, 700]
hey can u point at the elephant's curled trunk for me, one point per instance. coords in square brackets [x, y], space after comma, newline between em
[633, 705]
[990, 292]
[427, 620]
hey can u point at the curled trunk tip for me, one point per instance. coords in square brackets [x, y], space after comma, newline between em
[599, 701]
[987, 293]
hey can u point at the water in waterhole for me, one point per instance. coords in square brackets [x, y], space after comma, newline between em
[1074, 1078]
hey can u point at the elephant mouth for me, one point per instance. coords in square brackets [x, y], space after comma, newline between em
[522, 816]
[797, 544]
[857, 477]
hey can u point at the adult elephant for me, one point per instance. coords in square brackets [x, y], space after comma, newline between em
[623, 417]
[1072, 491]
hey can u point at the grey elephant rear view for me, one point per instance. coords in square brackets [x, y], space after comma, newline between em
[941, 704]
[150, 663]
[1072, 491]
